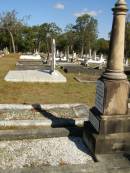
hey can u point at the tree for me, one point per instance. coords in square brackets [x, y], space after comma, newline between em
[70, 35]
[62, 42]
[46, 32]
[10, 23]
[102, 46]
[4, 40]
[27, 40]
[127, 37]
[86, 27]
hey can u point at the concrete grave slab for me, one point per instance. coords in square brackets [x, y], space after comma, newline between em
[20, 116]
[32, 57]
[49, 152]
[35, 76]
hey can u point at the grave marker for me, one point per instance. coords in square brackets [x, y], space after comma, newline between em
[53, 62]
[108, 130]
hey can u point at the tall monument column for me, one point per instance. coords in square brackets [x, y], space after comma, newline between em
[53, 62]
[108, 129]
[115, 66]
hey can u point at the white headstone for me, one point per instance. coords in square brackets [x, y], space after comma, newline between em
[90, 53]
[126, 62]
[57, 53]
[5, 51]
[95, 55]
[61, 54]
[74, 55]
[53, 62]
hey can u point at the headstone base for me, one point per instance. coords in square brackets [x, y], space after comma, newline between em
[112, 96]
[108, 129]
[106, 144]
[107, 124]
[107, 134]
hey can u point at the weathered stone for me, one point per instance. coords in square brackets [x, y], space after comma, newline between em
[108, 124]
[115, 97]
[116, 142]
[115, 66]
[35, 76]
[40, 132]
[108, 129]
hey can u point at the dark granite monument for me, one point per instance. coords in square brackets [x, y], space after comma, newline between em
[108, 129]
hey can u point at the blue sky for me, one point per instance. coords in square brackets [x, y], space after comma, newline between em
[63, 12]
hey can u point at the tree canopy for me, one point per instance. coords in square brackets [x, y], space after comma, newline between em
[80, 36]
[86, 27]
[11, 24]
[127, 38]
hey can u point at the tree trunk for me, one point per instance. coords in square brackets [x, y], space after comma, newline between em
[71, 49]
[39, 46]
[68, 53]
[10, 47]
[12, 40]
[48, 52]
[82, 51]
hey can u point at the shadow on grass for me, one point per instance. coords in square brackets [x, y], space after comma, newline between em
[69, 124]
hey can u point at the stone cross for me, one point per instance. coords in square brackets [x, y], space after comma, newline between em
[108, 130]
[53, 62]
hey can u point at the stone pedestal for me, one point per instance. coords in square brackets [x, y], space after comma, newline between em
[106, 143]
[108, 129]
[112, 96]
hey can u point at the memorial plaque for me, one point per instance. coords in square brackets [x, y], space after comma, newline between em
[94, 121]
[99, 95]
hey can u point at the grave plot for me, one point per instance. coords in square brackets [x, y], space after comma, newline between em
[73, 68]
[87, 78]
[42, 135]
[55, 115]
[82, 74]
[31, 69]
[43, 152]
[73, 138]
[50, 149]
[35, 76]
[31, 65]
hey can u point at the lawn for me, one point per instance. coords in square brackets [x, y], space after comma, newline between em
[44, 93]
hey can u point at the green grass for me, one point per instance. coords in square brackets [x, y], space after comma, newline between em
[129, 59]
[44, 93]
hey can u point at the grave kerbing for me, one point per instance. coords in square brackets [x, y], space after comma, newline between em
[108, 129]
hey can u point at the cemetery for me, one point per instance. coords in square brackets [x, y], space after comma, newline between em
[45, 75]
[66, 111]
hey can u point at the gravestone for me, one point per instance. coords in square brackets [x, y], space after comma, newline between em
[90, 53]
[95, 55]
[5, 50]
[57, 53]
[74, 55]
[108, 129]
[53, 62]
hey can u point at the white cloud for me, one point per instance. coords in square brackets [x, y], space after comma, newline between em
[85, 11]
[59, 6]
